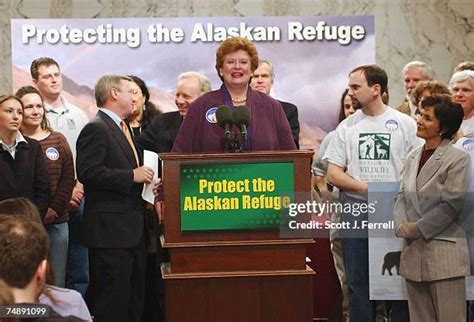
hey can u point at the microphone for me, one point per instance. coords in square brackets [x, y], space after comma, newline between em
[225, 118]
[242, 118]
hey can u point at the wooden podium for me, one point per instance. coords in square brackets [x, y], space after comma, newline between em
[234, 275]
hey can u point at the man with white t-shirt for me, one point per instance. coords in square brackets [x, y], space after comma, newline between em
[368, 146]
[69, 120]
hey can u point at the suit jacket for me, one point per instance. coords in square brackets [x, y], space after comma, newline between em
[434, 201]
[113, 210]
[291, 112]
[161, 133]
[404, 107]
[268, 130]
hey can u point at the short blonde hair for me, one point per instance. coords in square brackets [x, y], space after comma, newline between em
[104, 85]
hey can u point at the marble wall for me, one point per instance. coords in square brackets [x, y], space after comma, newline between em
[440, 32]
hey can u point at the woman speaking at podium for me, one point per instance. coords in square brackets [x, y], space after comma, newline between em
[268, 128]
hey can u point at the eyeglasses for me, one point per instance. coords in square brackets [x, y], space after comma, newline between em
[130, 91]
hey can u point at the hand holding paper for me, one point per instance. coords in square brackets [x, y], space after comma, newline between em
[150, 159]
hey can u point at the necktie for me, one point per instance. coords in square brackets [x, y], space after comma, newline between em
[127, 134]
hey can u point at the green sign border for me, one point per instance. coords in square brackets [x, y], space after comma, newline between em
[256, 206]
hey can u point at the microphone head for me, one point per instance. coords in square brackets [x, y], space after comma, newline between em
[224, 116]
[241, 115]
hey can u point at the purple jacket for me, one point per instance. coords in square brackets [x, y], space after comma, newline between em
[269, 128]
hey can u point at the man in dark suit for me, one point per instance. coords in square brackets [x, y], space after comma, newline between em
[163, 130]
[108, 164]
[262, 80]
[159, 137]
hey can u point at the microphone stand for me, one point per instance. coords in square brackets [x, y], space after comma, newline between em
[239, 137]
[228, 139]
[234, 142]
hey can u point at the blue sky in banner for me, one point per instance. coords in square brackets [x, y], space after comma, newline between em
[310, 73]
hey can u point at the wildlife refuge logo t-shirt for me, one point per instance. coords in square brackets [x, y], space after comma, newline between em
[373, 148]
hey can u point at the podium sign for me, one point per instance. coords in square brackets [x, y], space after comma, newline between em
[227, 260]
[234, 196]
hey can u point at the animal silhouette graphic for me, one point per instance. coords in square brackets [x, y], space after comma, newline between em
[390, 260]
[382, 153]
[374, 146]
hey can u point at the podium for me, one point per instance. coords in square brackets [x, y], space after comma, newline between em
[227, 260]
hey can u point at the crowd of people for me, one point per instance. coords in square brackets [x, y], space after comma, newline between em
[412, 144]
[73, 224]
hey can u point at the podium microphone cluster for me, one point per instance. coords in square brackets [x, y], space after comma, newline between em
[227, 117]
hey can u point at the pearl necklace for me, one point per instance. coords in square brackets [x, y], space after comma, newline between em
[238, 101]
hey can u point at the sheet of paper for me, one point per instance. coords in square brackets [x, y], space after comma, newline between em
[150, 159]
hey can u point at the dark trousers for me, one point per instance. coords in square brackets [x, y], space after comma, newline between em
[154, 309]
[119, 276]
[154, 291]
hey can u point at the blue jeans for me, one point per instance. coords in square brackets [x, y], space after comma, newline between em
[58, 244]
[355, 245]
[77, 273]
[356, 264]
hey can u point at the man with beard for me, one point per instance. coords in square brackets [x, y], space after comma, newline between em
[413, 72]
[369, 146]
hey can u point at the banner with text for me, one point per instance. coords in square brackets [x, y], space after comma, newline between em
[311, 56]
